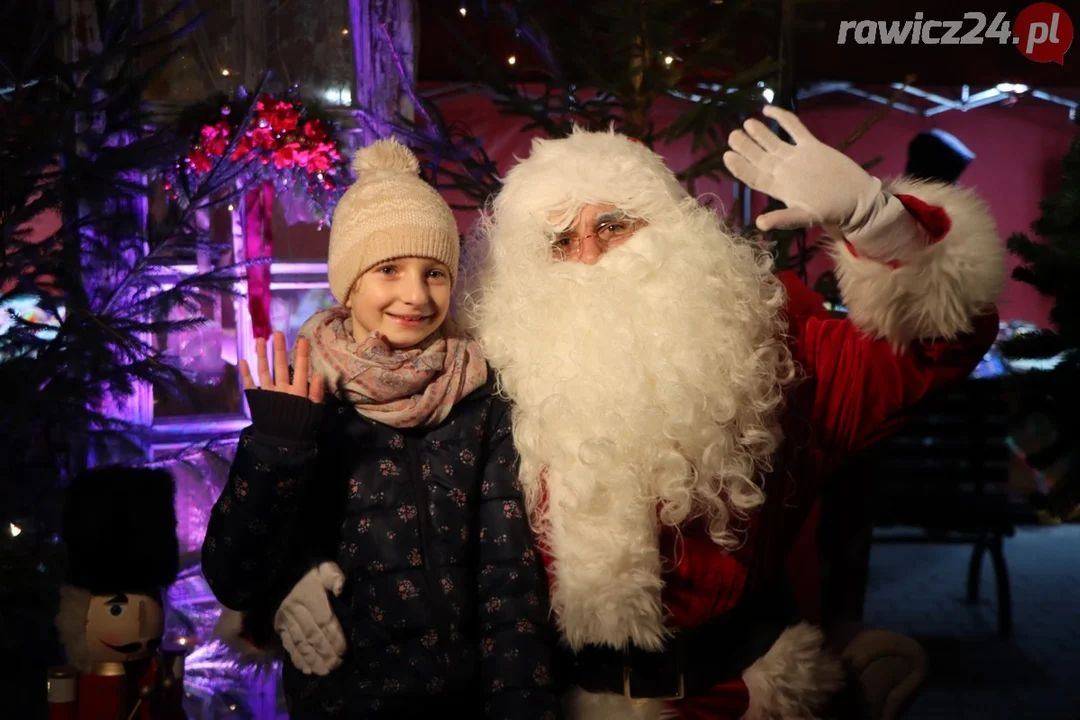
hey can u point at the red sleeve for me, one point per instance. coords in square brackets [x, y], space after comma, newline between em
[861, 384]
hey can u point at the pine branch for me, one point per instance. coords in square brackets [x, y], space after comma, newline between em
[1051, 264]
[88, 153]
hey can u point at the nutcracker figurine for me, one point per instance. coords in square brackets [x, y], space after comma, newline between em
[119, 529]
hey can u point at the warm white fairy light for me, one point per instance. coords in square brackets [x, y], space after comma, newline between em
[463, 10]
[344, 31]
[14, 529]
[766, 91]
[512, 59]
[668, 59]
[225, 72]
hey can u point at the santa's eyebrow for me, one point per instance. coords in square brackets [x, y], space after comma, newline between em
[118, 599]
[611, 216]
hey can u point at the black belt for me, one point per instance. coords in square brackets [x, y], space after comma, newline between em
[695, 659]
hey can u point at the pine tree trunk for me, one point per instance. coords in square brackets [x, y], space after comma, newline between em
[637, 105]
[84, 40]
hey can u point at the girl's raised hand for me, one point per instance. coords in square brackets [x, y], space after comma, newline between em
[279, 381]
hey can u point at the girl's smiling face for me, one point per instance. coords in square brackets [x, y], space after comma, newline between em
[405, 299]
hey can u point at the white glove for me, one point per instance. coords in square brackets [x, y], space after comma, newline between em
[307, 625]
[820, 186]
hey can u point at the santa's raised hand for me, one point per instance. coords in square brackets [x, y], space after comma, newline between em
[820, 186]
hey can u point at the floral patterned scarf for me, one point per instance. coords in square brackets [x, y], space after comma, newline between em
[413, 387]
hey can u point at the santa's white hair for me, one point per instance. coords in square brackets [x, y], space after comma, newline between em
[645, 386]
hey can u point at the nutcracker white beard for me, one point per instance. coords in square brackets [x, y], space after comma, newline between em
[651, 379]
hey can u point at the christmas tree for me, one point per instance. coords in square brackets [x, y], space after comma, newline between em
[82, 300]
[1051, 265]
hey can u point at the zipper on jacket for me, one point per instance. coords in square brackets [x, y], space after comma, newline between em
[427, 541]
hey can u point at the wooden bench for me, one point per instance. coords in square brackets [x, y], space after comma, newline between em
[941, 477]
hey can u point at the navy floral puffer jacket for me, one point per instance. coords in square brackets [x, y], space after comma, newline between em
[445, 607]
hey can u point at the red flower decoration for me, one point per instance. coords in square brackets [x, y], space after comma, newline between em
[314, 130]
[286, 156]
[294, 150]
[199, 161]
[243, 147]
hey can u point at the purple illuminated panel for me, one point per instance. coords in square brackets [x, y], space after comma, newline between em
[292, 303]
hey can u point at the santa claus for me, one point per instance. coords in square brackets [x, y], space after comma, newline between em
[678, 405]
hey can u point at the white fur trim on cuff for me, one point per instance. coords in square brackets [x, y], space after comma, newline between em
[795, 679]
[938, 292]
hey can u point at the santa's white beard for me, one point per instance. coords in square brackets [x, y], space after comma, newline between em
[650, 380]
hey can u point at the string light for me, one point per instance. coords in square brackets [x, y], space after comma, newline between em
[225, 72]
[512, 59]
[14, 529]
[344, 31]
[231, 208]
[668, 59]
[766, 91]
[463, 10]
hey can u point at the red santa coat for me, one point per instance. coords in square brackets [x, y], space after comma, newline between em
[911, 329]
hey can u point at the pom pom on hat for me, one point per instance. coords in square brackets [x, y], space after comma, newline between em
[385, 155]
[390, 212]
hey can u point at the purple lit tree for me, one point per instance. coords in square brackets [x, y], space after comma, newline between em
[81, 295]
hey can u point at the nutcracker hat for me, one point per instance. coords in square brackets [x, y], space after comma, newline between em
[119, 528]
[937, 155]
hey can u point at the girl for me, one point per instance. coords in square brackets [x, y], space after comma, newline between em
[397, 493]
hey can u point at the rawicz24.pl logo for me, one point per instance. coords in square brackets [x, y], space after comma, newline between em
[1042, 32]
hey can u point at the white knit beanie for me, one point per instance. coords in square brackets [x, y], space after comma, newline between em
[388, 213]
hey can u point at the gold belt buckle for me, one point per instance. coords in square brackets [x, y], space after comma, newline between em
[680, 691]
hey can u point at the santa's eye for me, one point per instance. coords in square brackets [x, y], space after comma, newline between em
[116, 610]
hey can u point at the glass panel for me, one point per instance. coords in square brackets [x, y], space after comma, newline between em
[295, 236]
[292, 305]
[302, 42]
[209, 355]
[198, 69]
[218, 219]
[309, 45]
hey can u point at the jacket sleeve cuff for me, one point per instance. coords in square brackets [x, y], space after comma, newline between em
[283, 416]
